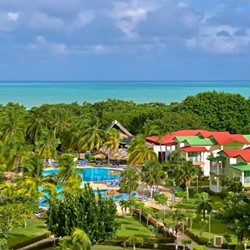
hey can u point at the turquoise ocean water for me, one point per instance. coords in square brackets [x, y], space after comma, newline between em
[32, 94]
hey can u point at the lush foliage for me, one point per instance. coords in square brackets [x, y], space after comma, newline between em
[236, 213]
[81, 210]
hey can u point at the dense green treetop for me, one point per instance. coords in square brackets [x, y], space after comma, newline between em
[80, 209]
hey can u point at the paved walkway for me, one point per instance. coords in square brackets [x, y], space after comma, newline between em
[37, 243]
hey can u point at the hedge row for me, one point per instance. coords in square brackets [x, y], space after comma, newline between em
[195, 238]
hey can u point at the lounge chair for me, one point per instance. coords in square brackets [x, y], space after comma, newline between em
[116, 183]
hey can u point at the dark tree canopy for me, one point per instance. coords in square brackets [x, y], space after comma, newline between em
[81, 209]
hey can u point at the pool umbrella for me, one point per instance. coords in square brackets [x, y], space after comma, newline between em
[113, 172]
[112, 192]
[100, 156]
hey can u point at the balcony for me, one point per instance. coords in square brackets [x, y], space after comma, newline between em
[217, 170]
[246, 181]
[215, 189]
[194, 158]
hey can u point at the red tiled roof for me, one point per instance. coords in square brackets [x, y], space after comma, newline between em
[232, 152]
[168, 139]
[221, 138]
[194, 149]
[245, 155]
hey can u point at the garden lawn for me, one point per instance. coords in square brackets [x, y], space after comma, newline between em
[216, 202]
[132, 227]
[100, 247]
[217, 228]
[34, 228]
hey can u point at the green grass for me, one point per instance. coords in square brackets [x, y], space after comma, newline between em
[102, 247]
[217, 228]
[216, 201]
[132, 227]
[34, 228]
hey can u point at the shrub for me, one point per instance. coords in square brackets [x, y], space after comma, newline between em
[198, 247]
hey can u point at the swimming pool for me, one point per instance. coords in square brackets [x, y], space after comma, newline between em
[44, 204]
[93, 174]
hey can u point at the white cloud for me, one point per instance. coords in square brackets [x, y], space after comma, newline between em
[209, 40]
[42, 44]
[42, 21]
[12, 16]
[128, 14]
[85, 18]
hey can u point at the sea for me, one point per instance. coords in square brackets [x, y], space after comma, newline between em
[32, 94]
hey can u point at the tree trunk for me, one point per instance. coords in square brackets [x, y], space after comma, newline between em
[187, 189]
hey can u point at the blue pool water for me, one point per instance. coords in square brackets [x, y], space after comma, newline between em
[43, 204]
[92, 174]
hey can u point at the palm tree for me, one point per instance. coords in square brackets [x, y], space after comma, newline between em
[147, 212]
[89, 139]
[139, 152]
[37, 123]
[152, 173]
[185, 172]
[159, 129]
[14, 151]
[124, 205]
[203, 204]
[129, 181]
[134, 241]
[67, 169]
[13, 122]
[112, 142]
[180, 218]
[140, 206]
[46, 145]
[79, 240]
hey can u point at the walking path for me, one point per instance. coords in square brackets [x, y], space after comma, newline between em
[37, 243]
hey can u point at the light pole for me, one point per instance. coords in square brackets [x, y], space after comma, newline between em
[197, 183]
[209, 228]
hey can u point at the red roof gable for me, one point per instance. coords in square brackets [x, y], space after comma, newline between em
[193, 149]
[245, 155]
[232, 152]
[168, 139]
[221, 138]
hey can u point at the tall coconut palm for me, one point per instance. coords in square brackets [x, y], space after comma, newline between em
[152, 173]
[112, 142]
[79, 240]
[37, 123]
[13, 123]
[14, 152]
[185, 172]
[203, 204]
[129, 181]
[160, 128]
[67, 169]
[139, 152]
[89, 139]
[46, 145]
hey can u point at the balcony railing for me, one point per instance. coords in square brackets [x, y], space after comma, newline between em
[246, 180]
[194, 159]
[216, 170]
[214, 188]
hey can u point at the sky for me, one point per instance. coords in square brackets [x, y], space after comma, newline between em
[124, 40]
